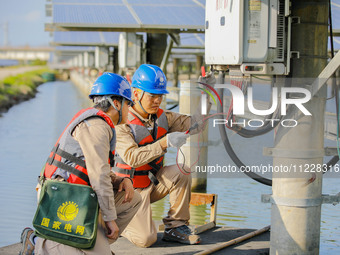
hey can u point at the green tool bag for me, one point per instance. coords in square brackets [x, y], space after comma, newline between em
[67, 213]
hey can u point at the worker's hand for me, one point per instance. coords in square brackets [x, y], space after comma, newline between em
[126, 185]
[112, 229]
[176, 139]
[209, 78]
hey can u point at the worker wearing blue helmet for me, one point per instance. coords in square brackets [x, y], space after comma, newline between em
[103, 90]
[84, 155]
[141, 145]
[150, 81]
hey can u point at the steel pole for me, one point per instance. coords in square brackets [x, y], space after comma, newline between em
[296, 210]
[194, 155]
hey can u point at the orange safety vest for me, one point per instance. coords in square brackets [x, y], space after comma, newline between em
[67, 159]
[142, 176]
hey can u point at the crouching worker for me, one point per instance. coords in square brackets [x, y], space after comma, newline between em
[83, 155]
[141, 145]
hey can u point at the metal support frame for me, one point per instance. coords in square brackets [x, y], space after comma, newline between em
[296, 213]
[324, 199]
[289, 33]
[51, 27]
[167, 54]
[323, 77]
[326, 73]
[273, 152]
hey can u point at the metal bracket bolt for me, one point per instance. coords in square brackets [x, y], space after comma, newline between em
[296, 20]
[294, 54]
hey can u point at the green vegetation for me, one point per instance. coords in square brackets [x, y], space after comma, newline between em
[14, 89]
[21, 63]
[37, 62]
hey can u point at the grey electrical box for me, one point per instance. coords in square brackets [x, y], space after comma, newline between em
[249, 34]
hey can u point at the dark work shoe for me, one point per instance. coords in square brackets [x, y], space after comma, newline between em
[181, 234]
[27, 236]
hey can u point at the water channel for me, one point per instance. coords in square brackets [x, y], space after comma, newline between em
[29, 130]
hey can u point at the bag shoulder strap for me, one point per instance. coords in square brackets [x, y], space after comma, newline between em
[57, 151]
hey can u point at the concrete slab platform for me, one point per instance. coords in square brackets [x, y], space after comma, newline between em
[10, 249]
[258, 245]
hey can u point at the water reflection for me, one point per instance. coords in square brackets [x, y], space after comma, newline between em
[29, 130]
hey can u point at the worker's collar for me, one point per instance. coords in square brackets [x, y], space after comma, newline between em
[149, 119]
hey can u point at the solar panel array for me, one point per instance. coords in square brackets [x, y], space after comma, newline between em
[86, 38]
[86, 1]
[111, 39]
[136, 14]
[192, 40]
[95, 14]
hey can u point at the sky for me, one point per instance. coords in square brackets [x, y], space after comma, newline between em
[26, 19]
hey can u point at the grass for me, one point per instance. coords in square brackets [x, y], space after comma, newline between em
[20, 87]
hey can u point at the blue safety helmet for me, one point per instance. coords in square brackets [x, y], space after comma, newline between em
[150, 78]
[111, 84]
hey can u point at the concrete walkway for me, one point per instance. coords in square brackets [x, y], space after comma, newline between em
[258, 245]
[5, 72]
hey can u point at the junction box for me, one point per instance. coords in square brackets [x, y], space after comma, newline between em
[251, 34]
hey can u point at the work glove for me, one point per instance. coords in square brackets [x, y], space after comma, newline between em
[176, 139]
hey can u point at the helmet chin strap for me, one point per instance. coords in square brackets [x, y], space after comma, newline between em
[140, 103]
[119, 111]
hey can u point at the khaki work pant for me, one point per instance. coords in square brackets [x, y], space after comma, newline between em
[142, 230]
[125, 212]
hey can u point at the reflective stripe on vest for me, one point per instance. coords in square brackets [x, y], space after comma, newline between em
[141, 175]
[66, 158]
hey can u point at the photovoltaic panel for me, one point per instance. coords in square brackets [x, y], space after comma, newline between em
[186, 55]
[336, 23]
[87, 2]
[192, 39]
[336, 14]
[77, 37]
[122, 15]
[201, 1]
[111, 37]
[174, 15]
[96, 14]
[162, 2]
[336, 42]
[83, 38]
